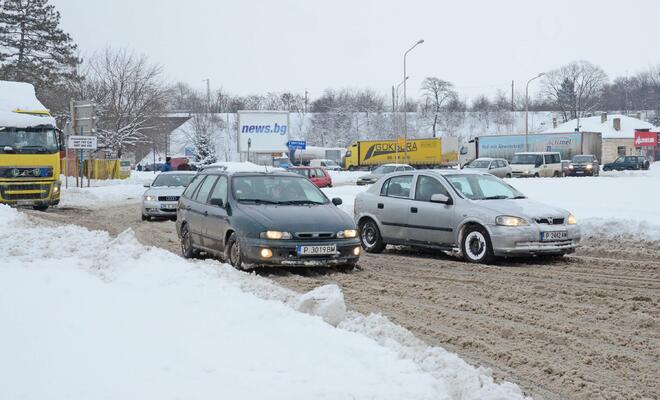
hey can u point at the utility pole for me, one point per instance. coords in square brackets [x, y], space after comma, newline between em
[527, 109]
[393, 113]
[513, 108]
[306, 100]
[405, 100]
[208, 94]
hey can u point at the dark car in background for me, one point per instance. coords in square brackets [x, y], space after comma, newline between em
[583, 165]
[623, 163]
[254, 219]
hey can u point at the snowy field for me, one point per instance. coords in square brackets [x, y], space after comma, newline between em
[85, 316]
[105, 192]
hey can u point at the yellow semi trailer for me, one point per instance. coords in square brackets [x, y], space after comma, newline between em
[29, 149]
[416, 152]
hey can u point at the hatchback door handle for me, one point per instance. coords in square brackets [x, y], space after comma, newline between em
[413, 210]
[381, 205]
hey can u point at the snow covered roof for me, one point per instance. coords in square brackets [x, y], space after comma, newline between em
[593, 124]
[20, 108]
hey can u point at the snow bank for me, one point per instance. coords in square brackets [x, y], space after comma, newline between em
[102, 193]
[86, 316]
[340, 178]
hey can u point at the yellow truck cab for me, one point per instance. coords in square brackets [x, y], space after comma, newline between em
[29, 149]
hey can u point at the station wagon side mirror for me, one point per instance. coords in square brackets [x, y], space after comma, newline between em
[440, 198]
[337, 201]
[216, 202]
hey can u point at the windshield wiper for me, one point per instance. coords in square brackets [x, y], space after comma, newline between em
[259, 201]
[519, 197]
[299, 202]
[498, 197]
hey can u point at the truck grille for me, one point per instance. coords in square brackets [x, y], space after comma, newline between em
[550, 221]
[7, 192]
[168, 198]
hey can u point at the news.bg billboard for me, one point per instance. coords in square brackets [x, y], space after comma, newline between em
[265, 131]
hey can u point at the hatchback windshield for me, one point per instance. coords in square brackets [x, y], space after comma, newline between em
[582, 159]
[28, 141]
[483, 187]
[173, 180]
[527, 159]
[276, 190]
[478, 164]
[384, 169]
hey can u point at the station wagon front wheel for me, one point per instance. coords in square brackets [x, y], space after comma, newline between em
[370, 237]
[187, 248]
[476, 246]
[233, 252]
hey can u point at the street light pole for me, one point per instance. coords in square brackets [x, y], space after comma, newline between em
[527, 109]
[397, 91]
[405, 100]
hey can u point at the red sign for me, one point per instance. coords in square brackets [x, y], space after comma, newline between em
[646, 139]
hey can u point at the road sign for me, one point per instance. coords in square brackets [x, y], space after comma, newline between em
[82, 142]
[296, 144]
[84, 116]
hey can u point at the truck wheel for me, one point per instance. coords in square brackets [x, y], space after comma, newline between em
[40, 208]
[476, 246]
[351, 168]
[233, 252]
[370, 237]
[556, 174]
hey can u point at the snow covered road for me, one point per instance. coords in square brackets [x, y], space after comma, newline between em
[87, 316]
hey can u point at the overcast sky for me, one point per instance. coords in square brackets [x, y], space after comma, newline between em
[256, 46]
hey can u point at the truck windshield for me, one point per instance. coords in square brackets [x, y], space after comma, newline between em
[28, 141]
[527, 159]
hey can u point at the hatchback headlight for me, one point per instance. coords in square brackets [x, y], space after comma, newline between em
[571, 220]
[347, 234]
[150, 198]
[275, 235]
[507, 220]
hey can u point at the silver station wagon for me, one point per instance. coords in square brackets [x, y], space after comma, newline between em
[473, 214]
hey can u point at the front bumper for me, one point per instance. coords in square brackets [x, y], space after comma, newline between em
[35, 193]
[284, 253]
[523, 241]
[159, 208]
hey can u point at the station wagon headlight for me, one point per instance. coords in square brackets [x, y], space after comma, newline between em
[275, 235]
[571, 220]
[150, 198]
[347, 234]
[507, 220]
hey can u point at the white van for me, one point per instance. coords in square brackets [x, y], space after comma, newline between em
[325, 163]
[536, 164]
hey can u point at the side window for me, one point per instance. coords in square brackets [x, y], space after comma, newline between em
[557, 159]
[323, 164]
[220, 190]
[501, 164]
[205, 189]
[192, 186]
[319, 173]
[408, 168]
[548, 158]
[427, 187]
[397, 186]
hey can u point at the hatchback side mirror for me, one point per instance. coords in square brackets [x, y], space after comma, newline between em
[440, 198]
[216, 202]
[337, 201]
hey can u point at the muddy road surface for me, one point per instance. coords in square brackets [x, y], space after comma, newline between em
[585, 326]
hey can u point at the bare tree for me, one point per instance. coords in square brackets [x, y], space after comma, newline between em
[129, 92]
[576, 88]
[436, 92]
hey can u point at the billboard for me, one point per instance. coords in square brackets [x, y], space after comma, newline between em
[264, 131]
[643, 139]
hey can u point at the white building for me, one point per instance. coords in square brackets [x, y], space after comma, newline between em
[617, 130]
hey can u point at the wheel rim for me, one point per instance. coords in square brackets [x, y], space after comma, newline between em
[369, 235]
[475, 245]
[186, 243]
[234, 254]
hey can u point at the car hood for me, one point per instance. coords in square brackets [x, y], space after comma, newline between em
[165, 191]
[524, 208]
[312, 218]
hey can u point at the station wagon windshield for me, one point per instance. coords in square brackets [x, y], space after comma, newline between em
[276, 190]
[483, 187]
[526, 159]
[173, 180]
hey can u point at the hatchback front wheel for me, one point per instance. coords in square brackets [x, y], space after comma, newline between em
[370, 237]
[476, 246]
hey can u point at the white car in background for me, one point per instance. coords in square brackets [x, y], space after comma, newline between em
[325, 163]
[162, 195]
[536, 164]
[494, 166]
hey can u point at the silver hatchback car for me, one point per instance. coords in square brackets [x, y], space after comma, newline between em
[473, 214]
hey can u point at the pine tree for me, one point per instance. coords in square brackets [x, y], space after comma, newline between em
[33, 48]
